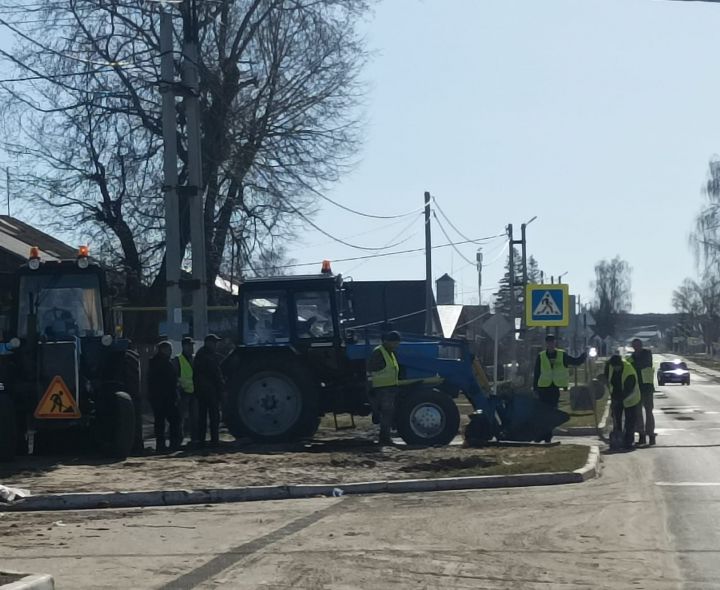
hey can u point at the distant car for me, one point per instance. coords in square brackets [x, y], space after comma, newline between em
[673, 372]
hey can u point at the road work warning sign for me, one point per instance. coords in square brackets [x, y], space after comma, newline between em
[547, 305]
[57, 402]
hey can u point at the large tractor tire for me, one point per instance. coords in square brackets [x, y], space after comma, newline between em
[8, 429]
[272, 402]
[132, 386]
[116, 425]
[426, 417]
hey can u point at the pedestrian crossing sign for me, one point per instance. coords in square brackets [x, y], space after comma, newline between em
[547, 305]
[57, 402]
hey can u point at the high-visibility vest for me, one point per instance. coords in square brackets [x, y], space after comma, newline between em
[633, 398]
[648, 375]
[389, 375]
[186, 375]
[553, 372]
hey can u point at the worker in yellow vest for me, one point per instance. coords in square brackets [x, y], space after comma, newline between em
[622, 381]
[188, 399]
[551, 374]
[384, 372]
[642, 361]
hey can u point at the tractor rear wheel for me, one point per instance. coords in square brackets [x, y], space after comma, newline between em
[8, 429]
[426, 417]
[116, 421]
[272, 402]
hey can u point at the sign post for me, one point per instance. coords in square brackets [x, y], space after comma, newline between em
[496, 327]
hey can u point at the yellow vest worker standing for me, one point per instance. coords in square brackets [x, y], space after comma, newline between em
[642, 361]
[551, 374]
[624, 397]
[188, 399]
[384, 372]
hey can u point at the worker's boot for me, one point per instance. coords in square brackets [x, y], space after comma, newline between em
[652, 440]
[642, 439]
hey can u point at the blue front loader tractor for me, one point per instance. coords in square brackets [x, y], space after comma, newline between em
[295, 361]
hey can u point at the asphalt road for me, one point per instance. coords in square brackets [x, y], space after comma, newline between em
[651, 521]
[686, 469]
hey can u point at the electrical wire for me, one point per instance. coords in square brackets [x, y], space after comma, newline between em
[361, 213]
[452, 225]
[396, 237]
[449, 239]
[340, 240]
[379, 255]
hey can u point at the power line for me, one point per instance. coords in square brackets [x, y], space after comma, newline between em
[452, 225]
[396, 237]
[340, 240]
[447, 237]
[383, 254]
[361, 213]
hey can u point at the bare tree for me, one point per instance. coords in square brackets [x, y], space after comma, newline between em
[613, 294]
[698, 304]
[278, 92]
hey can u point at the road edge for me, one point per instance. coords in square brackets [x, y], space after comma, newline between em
[30, 582]
[97, 500]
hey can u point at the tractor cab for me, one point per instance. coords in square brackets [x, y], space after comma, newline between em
[64, 369]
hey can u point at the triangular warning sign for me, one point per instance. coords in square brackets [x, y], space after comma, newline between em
[547, 306]
[57, 402]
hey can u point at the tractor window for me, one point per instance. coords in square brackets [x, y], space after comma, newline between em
[65, 305]
[266, 319]
[314, 314]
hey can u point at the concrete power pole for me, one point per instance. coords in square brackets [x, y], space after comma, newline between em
[173, 299]
[191, 105]
[479, 258]
[428, 270]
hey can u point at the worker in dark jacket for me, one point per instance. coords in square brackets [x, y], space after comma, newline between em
[624, 397]
[642, 361]
[384, 373]
[163, 394]
[209, 383]
[551, 374]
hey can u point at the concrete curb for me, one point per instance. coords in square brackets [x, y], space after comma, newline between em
[255, 493]
[31, 582]
[585, 430]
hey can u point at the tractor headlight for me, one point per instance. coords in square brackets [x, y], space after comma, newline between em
[106, 340]
[83, 262]
[14, 343]
[34, 263]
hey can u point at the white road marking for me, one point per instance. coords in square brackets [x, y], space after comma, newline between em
[702, 484]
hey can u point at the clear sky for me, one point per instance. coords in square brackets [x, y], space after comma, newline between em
[598, 116]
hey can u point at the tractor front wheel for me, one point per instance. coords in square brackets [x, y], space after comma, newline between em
[8, 429]
[426, 417]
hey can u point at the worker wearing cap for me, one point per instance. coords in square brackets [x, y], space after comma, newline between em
[551, 374]
[188, 399]
[642, 362]
[163, 393]
[622, 381]
[384, 372]
[208, 384]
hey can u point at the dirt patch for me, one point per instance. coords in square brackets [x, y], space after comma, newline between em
[331, 458]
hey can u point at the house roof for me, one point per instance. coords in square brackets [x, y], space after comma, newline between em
[17, 237]
[446, 278]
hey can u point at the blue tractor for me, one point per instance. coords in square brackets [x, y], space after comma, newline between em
[295, 361]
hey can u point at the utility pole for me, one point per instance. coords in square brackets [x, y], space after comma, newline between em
[7, 187]
[479, 258]
[513, 294]
[428, 269]
[195, 191]
[173, 299]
